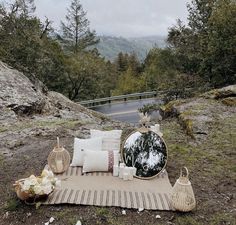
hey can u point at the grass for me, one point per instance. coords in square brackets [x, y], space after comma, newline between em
[3, 129]
[102, 211]
[12, 204]
[67, 216]
[186, 220]
[221, 218]
[50, 124]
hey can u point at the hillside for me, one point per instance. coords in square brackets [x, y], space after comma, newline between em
[109, 47]
[199, 133]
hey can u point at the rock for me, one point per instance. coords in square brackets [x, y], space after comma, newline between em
[7, 115]
[19, 97]
[28, 111]
[225, 92]
[196, 115]
[230, 101]
[5, 216]
[158, 217]
[18, 93]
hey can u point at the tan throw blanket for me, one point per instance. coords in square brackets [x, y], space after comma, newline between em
[102, 189]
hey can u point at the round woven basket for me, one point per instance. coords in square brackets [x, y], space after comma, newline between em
[182, 197]
[26, 196]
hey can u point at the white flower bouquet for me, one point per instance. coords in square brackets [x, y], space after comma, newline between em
[36, 187]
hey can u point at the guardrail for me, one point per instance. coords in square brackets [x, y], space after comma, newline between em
[94, 102]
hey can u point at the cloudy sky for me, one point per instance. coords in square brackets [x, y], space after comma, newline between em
[127, 18]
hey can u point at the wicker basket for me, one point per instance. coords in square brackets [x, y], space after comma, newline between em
[182, 197]
[22, 195]
[27, 196]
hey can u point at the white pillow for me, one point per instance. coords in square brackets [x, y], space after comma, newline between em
[99, 161]
[111, 139]
[81, 145]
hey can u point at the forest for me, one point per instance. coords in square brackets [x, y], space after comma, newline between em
[199, 55]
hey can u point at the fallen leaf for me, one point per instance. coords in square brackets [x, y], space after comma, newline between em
[51, 220]
[78, 223]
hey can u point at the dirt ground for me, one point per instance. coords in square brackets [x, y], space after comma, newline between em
[212, 166]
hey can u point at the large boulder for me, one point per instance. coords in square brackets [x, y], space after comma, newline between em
[28, 111]
[18, 94]
[197, 115]
[24, 97]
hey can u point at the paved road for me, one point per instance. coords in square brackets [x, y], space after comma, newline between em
[125, 111]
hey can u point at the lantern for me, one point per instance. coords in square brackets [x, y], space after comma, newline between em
[59, 159]
[182, 197]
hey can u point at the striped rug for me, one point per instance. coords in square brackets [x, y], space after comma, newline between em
[102, 189]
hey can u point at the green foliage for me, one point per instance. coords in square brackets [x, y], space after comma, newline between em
[30, 46]
[201, 53]
[129, 82]
[206, 45]
[148, 108]
[12, 204]
[76, 33]
[88, 76]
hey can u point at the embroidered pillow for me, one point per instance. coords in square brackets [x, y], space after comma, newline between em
[102, 161]
[111, 139]
[80, 145]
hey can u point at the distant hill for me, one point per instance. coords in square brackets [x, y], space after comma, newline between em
[109, 47]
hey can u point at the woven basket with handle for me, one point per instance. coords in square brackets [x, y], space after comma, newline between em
[182, 197]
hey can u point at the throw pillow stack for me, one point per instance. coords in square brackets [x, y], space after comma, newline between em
[99, 153]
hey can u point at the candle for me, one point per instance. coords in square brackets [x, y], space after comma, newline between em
[156, 129]
[131, 176]
[134, 170]
[116, 158]
[121, 170]
[59, 164]
[115, 171]
[125, 176]
[130, 169]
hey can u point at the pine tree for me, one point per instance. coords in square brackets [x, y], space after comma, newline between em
[76, 32]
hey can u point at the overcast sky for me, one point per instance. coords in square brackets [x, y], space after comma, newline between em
[127, 18]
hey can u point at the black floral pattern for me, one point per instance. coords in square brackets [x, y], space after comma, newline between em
[145, 151]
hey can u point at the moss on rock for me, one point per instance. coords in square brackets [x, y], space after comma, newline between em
[231, 101]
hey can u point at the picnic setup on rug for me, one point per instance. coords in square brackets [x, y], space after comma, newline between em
[105, 172]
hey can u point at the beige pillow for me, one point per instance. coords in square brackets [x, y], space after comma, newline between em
[110, 139]
[81, 145]
[100, 161]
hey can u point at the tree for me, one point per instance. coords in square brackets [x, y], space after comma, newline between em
[206, 43]
[219, 56]
[128, 83]
[76, 33]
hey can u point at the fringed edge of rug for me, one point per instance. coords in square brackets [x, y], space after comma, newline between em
[124, 199]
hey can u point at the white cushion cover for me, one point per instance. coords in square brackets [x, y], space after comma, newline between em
[99, 161]
[81, 145]
[111, 139]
